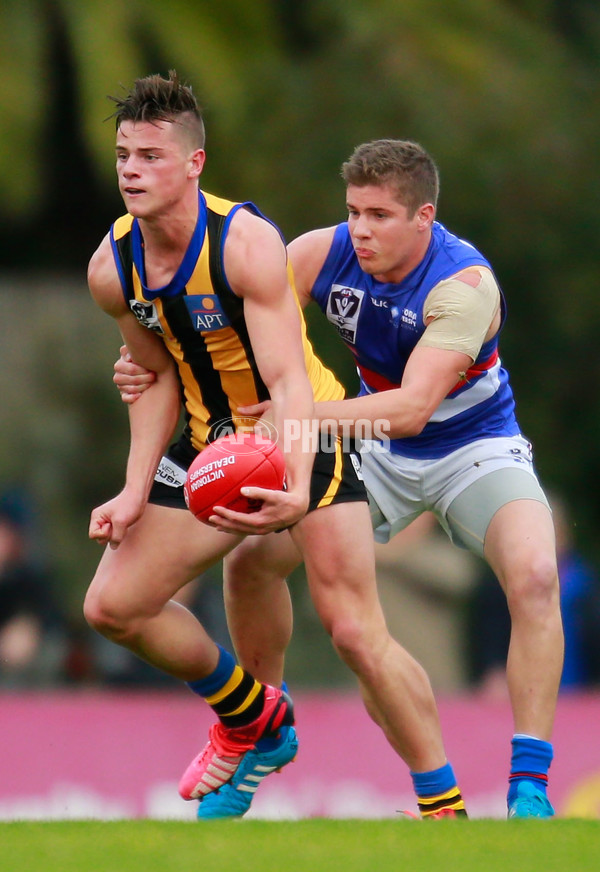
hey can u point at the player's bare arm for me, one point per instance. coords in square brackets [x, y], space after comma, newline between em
[429, 375]
[255, 264]
[307, 255]
[152, 419]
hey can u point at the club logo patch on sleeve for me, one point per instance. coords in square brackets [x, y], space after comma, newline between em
[206, 312]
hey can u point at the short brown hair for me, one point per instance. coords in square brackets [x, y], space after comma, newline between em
[154, 98]
[401, 163]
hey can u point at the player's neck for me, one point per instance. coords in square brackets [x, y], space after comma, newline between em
[168, 233]
[166, 241]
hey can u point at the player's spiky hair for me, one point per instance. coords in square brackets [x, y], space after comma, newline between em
[155, 98]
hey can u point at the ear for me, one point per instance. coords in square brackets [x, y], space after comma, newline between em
[425, 216]
[197, 159]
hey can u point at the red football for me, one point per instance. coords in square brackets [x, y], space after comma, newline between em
[217, 474]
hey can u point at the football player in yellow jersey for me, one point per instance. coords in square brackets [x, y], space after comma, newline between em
[155, 545]
[154, 550]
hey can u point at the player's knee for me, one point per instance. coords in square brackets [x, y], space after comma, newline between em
[354, 643]
[242, 570]
[536, 586]
[252, 566]
[106, 617]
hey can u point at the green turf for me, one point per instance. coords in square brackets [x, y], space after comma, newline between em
[303, 846]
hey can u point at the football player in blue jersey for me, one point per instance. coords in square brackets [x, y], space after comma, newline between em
[425, 334]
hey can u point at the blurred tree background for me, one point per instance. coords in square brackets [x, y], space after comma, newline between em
[504, 93]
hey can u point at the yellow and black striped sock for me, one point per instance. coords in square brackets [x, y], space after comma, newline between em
[240, 701]
[429, 806]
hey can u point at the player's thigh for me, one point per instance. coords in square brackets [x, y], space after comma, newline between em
[520, 543]
[338, 550]
[163, 551]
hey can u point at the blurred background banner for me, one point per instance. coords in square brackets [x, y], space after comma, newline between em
[114, 756]
[505, 94]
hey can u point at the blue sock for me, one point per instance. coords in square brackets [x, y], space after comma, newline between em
[269, 743]
[217, 679]
[438, 793]
[530, 761]
[434, 782]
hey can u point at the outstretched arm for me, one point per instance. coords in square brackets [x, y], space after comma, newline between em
[429, 375]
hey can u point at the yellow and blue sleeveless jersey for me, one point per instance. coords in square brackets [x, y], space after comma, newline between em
[201, 322]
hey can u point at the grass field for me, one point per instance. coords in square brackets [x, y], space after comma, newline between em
[303, 846]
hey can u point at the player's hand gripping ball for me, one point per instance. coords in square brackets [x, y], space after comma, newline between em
[228, 464]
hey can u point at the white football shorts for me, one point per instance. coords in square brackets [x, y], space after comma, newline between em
[464, 489]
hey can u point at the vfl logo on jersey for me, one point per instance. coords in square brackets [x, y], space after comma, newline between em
[147, 315]
[343, 309]
[206, 312]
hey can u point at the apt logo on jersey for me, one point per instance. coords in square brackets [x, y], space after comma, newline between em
[147, 315]
[206, 312]
[343, 308]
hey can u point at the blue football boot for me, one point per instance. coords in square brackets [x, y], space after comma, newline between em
[530, 803]
[234, 798]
